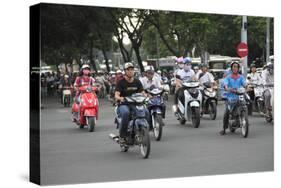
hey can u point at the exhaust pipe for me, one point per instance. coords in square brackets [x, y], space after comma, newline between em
[114, 137]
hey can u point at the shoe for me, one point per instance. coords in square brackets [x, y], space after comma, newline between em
[222, 132]
[122, 141]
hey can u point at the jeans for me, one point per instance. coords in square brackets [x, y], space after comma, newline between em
[123, 112]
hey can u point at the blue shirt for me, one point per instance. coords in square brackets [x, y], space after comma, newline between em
[232, 83]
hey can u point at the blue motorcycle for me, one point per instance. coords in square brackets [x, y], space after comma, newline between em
[156, 107]
[138, 128]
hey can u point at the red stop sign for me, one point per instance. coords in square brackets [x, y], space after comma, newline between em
[242, 49]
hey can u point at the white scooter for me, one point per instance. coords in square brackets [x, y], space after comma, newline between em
[190, 109]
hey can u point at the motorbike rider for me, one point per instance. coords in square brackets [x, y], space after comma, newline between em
[197, 71]
[150, 78]
[64, 82]
[119, 76]
[231, 83]
[84, 78]
[268, 79]
[126, 87]
[205, 77]
[184, 74]
[253, 78]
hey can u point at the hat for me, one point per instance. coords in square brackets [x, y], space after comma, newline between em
[128, 65]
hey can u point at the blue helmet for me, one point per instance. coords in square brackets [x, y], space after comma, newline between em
[187, 60]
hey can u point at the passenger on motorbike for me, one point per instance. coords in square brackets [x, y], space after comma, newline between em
[231, 83]
[184, 74]
[126, 87]
[268, 79]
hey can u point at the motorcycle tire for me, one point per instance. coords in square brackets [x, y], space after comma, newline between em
[213, 111]
[91, 122]
[144, 142]
[196, 117]
[158, 127]
[245, 127]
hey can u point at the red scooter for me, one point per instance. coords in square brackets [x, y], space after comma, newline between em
[88, 106]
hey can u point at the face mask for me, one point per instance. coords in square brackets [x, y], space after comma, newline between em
[181, 66]
[187, 67]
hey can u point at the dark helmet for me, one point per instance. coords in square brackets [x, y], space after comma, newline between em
[253, 65]
[235, 62]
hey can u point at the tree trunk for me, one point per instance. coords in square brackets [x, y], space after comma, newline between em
[91, 55]
[106, 60]
[137, 52]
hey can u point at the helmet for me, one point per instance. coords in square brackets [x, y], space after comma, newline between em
[129, 65]
[235, 62]
[253, 65]
[204, 65]
[85, 66]
[66, 76]
[149, 68]
[187, 60]
[118, 72]
[159, 71]
[269, 65]
[196, 68]
[179, 60]
[111, 72]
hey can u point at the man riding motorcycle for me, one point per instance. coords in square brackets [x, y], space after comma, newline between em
[184, 74]
[126, 87]
[268, 79]
[64, 82]
[231, 83]
[150, 78]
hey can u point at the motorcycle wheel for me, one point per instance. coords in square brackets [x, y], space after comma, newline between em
[182, 121]
[91, 122]
[213, 111]
[144, 142]
[245, 124]
[81, 126]
[158, 127]
[196, 117]
[268, 119]
[65, 102]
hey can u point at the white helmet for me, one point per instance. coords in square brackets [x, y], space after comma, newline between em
[66, 76]
[119, 72]
[159, 71]
[85, 66]
[129, 65]
[149, 68]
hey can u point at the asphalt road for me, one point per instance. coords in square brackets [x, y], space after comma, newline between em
[71, 155]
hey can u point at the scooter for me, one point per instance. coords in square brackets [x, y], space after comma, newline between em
[190, 109]
[166, 87]
[210, 101]
[66, 96]
[236, 116]
[86, 112]
[138, 128]
[157, 108]
[258, 103]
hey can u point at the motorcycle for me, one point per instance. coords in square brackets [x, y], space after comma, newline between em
[237, 113]
[111, 94]
[66, 96]
[269, 116]
[258, 103]
[210, 101]
[190, 110]
[138, 127]
[173, 85]
[157, 109]
[87, 108]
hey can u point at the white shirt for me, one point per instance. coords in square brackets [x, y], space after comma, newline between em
[207, 77]
[186, 76]
[266, 77]
[255, 78]
[156, 81]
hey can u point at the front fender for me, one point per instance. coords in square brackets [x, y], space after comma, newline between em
[139, 123]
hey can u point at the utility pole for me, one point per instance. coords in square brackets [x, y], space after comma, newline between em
[267, 39]
[244, 39]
